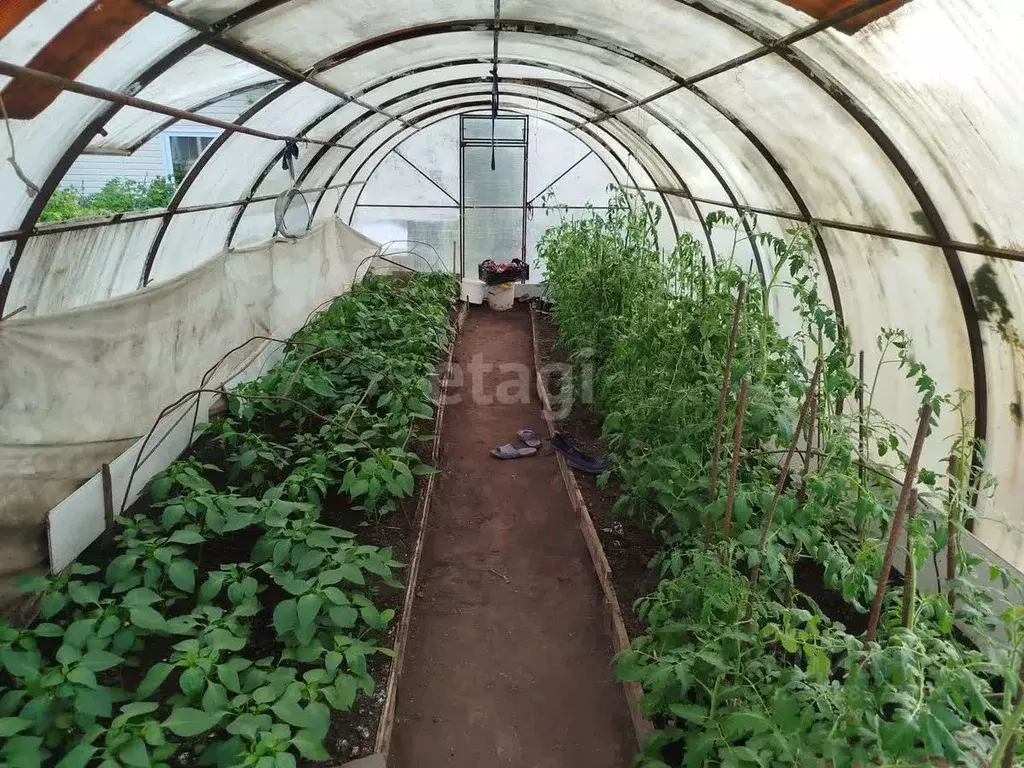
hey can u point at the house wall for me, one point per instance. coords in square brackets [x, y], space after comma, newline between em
[90, 172]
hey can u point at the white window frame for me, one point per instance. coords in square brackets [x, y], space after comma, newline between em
[199, 132]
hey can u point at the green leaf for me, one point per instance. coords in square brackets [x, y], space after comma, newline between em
[689, 712]
[140, 597]
[309, 746]
[12, 725]
[344, 616]
[99, 661]
[98, 702]
[24, 665]
[182, 574]
[308, 608]
[737, 724]
[351, 573]
[154, 678]
[85, 594]
[134, 753]
[79, 631]
[284, 760]
[216, 698]
[286, 617]
[78, 757]
[188, 722]
[83, 676]
[146, 618]
[290, 711]
[250, 725]
[227, 674]
[192, 681]
[172, 515]
[187, 538]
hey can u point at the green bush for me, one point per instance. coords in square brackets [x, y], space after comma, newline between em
[117, 196]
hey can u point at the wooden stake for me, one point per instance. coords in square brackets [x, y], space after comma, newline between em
[722, 396]
[780, 486]
[952, 530]
[862, 430]
[815, 402]
[737, 439]
[897, 521]
[910, 568]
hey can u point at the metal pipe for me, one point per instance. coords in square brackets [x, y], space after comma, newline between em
[130, 216]
[74, 86]
[891, 234]
[212, 35]
[758, 53]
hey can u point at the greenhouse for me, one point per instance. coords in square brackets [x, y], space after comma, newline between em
[508, 383]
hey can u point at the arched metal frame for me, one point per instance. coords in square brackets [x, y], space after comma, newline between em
[382, 152]
[593, 134]
[771, 45]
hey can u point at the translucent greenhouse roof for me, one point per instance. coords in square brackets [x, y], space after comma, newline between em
[895, 125]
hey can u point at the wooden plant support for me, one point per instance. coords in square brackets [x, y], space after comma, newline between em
[952, 530]
[862, 431]
[620, 638]
[722, 397]
[899, 516]
[386, 725]
[910, 568]
[780, 486]
[737, 440]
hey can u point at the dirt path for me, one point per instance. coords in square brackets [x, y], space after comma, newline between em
[509, 658]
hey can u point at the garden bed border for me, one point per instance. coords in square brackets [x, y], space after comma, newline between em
[632, 691]
[385, 728]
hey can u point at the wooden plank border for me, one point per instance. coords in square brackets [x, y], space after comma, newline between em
[386, 726]
[632, 691]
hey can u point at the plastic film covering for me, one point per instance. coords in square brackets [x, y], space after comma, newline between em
[129, 357]
[999, 294]
[944, 79]
[42, 142]
[203, 77]
[71, 269]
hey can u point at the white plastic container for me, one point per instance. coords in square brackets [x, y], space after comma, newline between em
[473, 291]
[501, 297]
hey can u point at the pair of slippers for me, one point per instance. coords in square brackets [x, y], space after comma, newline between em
[573, 455]
[510, 451]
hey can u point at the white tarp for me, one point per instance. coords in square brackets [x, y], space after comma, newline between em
[78, 387]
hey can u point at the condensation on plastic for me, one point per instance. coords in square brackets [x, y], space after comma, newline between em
[71, 269]
[999, 522]
[943, 79]
[200, 78]
[302, 34]
[899, 285]
[781, 105]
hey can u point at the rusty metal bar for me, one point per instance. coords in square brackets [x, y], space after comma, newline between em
[74, 86]
[131, 216]
[213, 36]
[758, 53]
[845, 226]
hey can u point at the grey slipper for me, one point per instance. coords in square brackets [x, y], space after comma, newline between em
[509, 451]
[529, 437]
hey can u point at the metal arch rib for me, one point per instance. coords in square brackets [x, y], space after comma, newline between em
[566, 92]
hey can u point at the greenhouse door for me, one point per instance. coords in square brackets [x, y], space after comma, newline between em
[493, 204]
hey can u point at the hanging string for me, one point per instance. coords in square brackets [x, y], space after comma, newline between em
[30, 188]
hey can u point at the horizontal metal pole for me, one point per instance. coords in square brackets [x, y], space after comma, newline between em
[891, 234]
[74, 86]
[245, 53]
[758, 53]
[131, 216]
[488, 207]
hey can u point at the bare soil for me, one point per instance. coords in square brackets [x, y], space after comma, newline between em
[509, 661]
[628, 545]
